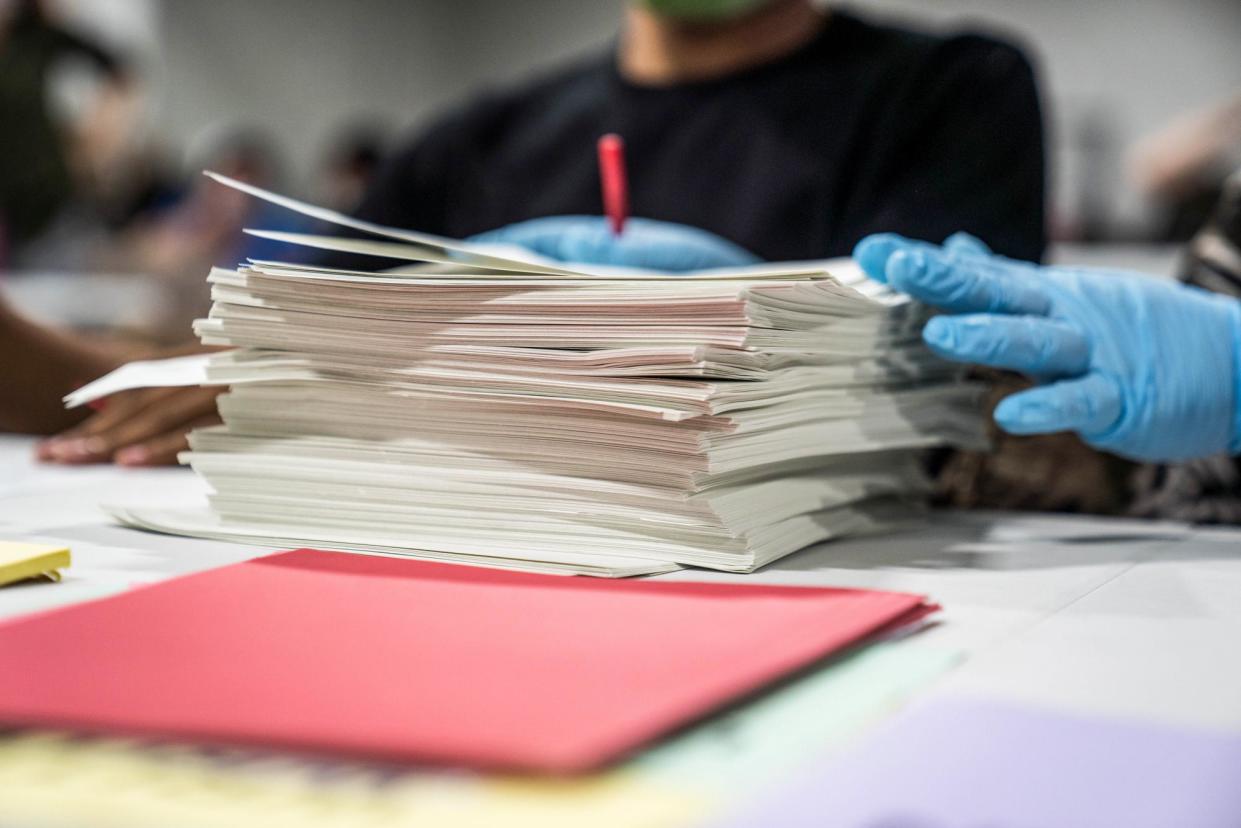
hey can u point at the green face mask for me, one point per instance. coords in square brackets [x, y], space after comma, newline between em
[704, 10]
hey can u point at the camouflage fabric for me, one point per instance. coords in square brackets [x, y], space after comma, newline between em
[1052, 472]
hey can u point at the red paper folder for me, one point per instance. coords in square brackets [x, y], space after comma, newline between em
[404, 660]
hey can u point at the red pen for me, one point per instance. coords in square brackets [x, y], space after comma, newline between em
[614, 181]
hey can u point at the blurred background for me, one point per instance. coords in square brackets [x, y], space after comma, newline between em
[304, 96]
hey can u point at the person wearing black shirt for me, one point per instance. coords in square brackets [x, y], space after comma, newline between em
[788, 130]
[35, 179]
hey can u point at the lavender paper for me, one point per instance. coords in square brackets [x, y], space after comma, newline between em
[958, 763]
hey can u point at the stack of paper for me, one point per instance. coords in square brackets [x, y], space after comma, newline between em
[495, 408]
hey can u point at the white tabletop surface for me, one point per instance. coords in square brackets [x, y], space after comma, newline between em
[1106, 616]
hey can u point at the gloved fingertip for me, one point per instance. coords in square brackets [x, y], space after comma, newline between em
[962, 243]
[872, 253]
[905, 268]
[1021, 416]
[745, 257]
[940, 334]
[496, 236]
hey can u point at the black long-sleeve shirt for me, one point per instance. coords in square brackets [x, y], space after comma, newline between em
[866, 128]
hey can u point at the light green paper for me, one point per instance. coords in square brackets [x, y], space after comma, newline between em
[768, 736]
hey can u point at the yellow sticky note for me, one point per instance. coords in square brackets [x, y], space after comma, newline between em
[19, 561]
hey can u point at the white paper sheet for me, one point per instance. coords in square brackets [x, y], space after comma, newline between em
[151, 373]
[426, 247]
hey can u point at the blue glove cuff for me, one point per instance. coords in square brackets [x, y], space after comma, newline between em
[1234, 444]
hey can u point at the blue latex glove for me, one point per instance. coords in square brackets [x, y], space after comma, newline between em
[1142, 367]
[653, 245]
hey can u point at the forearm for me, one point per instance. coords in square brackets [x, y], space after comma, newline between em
[1234, 446]
[38, 366]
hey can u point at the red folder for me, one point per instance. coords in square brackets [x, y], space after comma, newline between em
[420, 662]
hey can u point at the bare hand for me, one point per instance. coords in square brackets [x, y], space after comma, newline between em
[142, 427]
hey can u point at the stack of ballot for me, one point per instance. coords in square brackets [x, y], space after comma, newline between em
[490, 407]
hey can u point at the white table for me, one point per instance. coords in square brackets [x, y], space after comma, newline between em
[1113, 617]
[1099, 615]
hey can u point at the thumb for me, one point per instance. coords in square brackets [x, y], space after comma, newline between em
[1088, 405]
[963, 244]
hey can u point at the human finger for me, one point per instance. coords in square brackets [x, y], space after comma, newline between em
[1032, 345]
[1089, 405]
[172, 413]
[162, 450]
[964, 244]
[872, 253]
[167, 414]
[966, 284]
[87, 442]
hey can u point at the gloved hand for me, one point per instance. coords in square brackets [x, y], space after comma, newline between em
[1141, 367]
[653, 245]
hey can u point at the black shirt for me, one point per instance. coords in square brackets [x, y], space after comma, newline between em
[866, 128]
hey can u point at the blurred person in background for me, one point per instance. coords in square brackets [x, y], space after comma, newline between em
[1027, 469]
[42, 166]
[1182, 166]
[353, 158]
[179, 244]
[1023, 471]
[787, 129]
[46, 166]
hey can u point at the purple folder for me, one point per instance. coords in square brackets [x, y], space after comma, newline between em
[958, 763]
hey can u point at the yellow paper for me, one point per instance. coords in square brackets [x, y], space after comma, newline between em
[19, 561]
